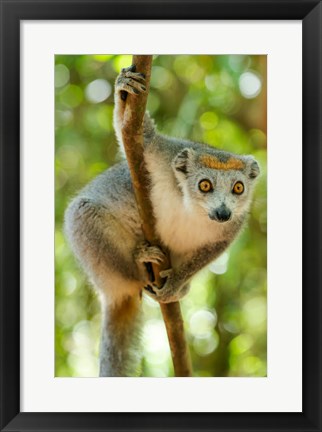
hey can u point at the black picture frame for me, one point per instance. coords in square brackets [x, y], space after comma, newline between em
[12, 12]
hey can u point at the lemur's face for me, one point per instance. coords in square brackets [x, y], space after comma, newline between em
[220, 185]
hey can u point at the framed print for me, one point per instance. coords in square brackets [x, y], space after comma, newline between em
[245, 78]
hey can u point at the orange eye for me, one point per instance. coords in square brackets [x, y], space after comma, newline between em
[205, 186]
[238, 188]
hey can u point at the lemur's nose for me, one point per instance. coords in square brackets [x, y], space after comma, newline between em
[220, 214]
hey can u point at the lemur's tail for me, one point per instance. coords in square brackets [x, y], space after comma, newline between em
[120, 353]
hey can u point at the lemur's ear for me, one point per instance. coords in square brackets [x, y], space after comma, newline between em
[181, 161]
[253, 170]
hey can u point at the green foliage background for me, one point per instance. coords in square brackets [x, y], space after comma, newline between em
[220, 100]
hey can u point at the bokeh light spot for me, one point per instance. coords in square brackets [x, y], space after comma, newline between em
[258, 138]
[161, 78]
[239, 63]
[254, 311]
[188, 110]
[209, 120]
[98, 91]
[211, 82]
[250, 84]
[156, 348]
[67, 313]
[61, 75]
[81, 345]
[202, 322]
[153, 102]
[69, 157]
[155, 337]
[205, 345]
[69, 282]
[241, 344]
[252, 365]
[220, 265]
[63, 118]
[104, 117]
[122, 61]
[72, 96]
[188, 71]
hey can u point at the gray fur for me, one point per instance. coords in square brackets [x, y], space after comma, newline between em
[104, 228]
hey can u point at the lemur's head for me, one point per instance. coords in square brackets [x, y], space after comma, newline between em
[219, 183]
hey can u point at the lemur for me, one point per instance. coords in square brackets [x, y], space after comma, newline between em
[200, 198]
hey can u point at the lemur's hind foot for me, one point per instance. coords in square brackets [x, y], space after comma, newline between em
[144, 255]
[131, 82]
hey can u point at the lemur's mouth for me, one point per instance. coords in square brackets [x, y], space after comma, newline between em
[220, 220]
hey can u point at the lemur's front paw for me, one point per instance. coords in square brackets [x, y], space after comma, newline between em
[131, 82]
[169, 292]
[145, 253]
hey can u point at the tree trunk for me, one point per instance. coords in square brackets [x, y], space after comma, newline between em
[132, 135]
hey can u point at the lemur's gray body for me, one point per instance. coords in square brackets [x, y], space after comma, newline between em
[104, 227]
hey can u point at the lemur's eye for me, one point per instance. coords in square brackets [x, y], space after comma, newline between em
[238, 188]
[205, 186]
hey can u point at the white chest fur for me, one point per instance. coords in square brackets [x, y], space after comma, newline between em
[183, 228]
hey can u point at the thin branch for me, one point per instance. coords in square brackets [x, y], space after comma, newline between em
[132, 135]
